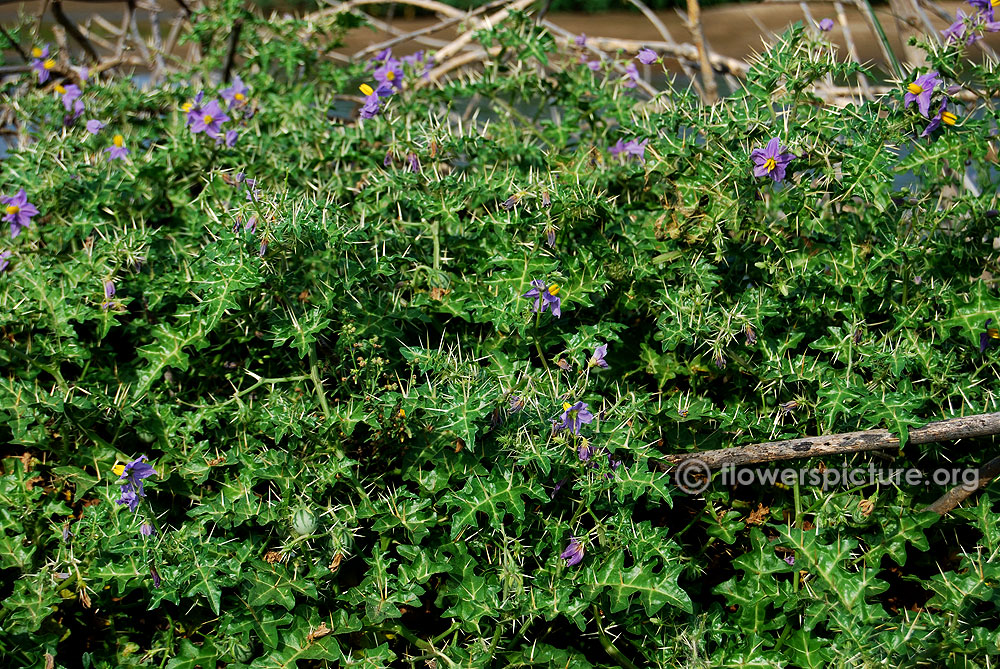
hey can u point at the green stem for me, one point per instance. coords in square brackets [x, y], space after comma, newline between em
[317, 381]
[608, 646]
[886, 48]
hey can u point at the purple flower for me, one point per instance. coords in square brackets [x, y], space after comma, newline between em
[962, 30]
[41, 63]
[550, 236]
[18, 212]
[3, 260]
[84, 73]
[586, 450]
[117, 150]
[69, 94]
[631, 75]
[389, 73]
[373, 97]
[943, 116]
[772, 160]
[826, 25]
[545, 297]
[580, 40]
[647, 56]
[210, 120]
[983, 8]
[155, 574]
[573, 553]
[920, 89]
[988, 337]
[575, 415]
[617, 149]
[387, 161]
[412, 162]
[597, 360]
[236, 94]
[131, 476]
[147, 529]
[636, 149]
[193, 109]
[229, 138]
[790, 559]
[77, 112]
[594, 65]
[109, 293]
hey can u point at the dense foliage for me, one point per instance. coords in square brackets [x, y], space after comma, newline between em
[366, 447]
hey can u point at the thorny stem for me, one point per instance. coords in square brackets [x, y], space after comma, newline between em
[538, 343]
[609, 647]
[317, 381]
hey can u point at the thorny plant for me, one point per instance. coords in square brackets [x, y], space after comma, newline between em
[394, 390]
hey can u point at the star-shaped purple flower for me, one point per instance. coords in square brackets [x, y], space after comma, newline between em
[235, 94]
[597, 360]
[647, 56]
[573, 553]
[631, 75]
[41, 63]
[580, 40]
[943, 116]
[18, 211]
[984, 8]
[575, 415]
[69, 94]
[390, 72]
[545, 297]
[131, 477]
[963, 29]
[920, 90]
[772, 160]
[210, 120]
[117, 150]
[826, 25]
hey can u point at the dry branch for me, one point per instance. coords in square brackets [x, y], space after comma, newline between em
[982, 425]
[960, 493]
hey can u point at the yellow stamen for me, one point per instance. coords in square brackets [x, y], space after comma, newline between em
[118, 470]
[390, 75]
[36, 52]
[366, 89]
[915, 88]
[49, 64]
[994, 3]
[402, 412]
[993, 333]
[554, 289]
[60, 90]
[187, 106]
[770, 164]
[207, 118]
[118, 140]
[12, 209]
[566, 406]
[947, 117]
[240, 97]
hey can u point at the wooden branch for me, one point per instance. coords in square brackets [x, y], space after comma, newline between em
[74, 32]
[661, 27]
[960, 493]
[234, 39]
[698, 35]
[982, 425]
[14, 45]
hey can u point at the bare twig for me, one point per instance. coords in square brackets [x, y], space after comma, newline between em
[667, 37]
[234, 39]
[698, 35]
[14, 45]
[981, 425]
[960, 493]
[74, 32]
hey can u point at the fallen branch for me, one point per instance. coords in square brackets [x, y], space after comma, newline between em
[960, 493]
[981, 425]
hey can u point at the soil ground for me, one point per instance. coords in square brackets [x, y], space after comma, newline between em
[737, 31]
